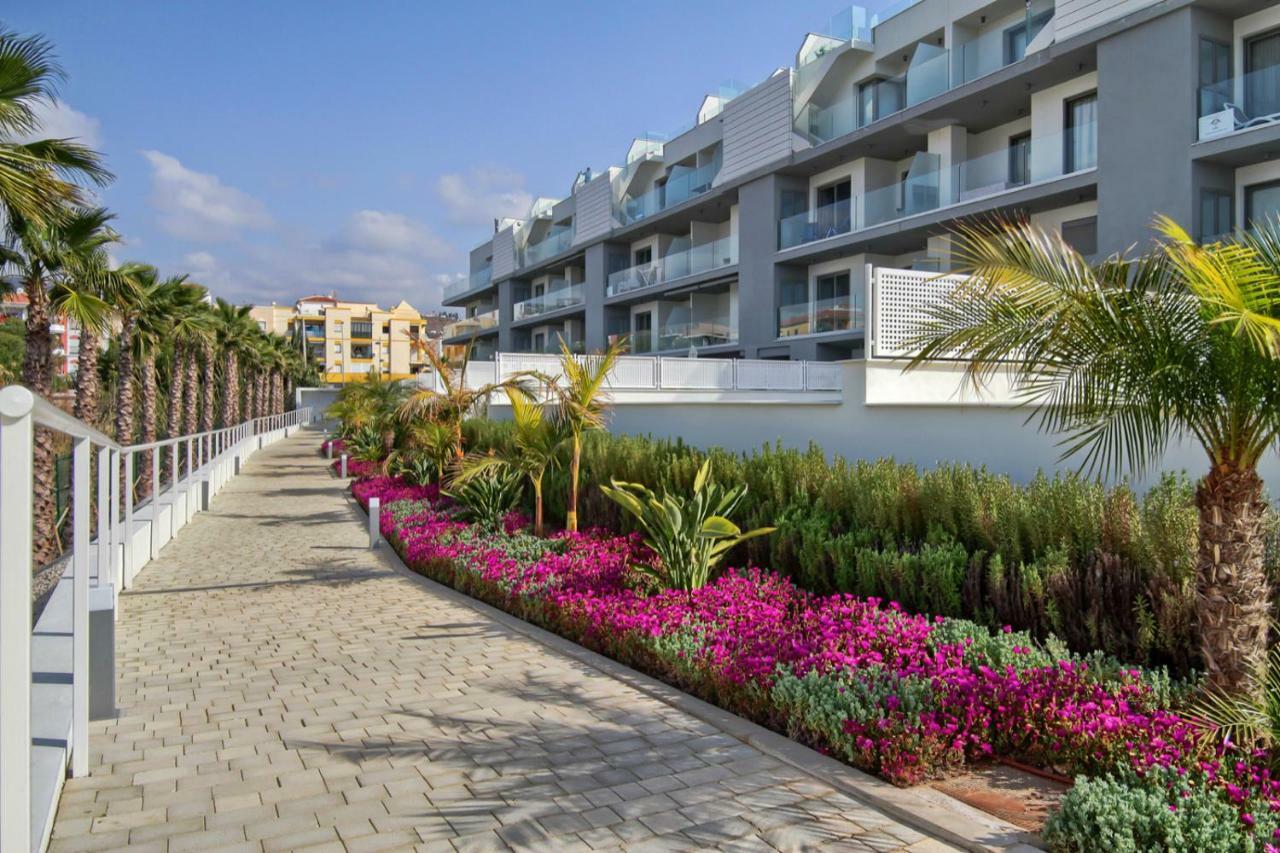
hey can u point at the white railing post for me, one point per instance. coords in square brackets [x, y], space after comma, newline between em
[117, 527]
[344, 466]
[374, 530]
[127, 574]
[16, 435]
[155, 501]
[173, 467]
[328, 449]
[104, 509]
[80, 592]
[190, 471]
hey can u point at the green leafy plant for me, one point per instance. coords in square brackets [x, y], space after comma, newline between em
[688, 535]
[1249, 719]
[365, 444]
[485, 499]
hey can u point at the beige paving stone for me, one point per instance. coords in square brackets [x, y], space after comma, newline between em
[282, 687]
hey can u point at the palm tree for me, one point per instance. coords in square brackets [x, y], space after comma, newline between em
[454, 401]
[232, 329]
[39, 180]
[1125, 356]
[42, 259]
[156, 315]
[536, 447]
[583, 405]
[190, 325]
[92, 280]
[373, 403]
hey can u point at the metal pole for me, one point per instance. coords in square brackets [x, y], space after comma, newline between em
[374, 530]
[104, 509]
[173, 466]
[127, 569]
[344, 466]
[16, 448]
[155, 502]
[117, 528]
[80, 593]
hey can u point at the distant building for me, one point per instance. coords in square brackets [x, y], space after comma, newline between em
[346, 340]
[64, 331]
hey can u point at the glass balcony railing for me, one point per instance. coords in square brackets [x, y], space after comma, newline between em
[553, 300]
[558, 240]
[478, 279]
[1239, 103]
[992, 51]
[928, 186]
[683, 184]
[676, 265]
[835, 314]
[472, 325]
[929, 74]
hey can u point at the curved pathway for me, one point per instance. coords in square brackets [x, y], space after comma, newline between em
[282, 687]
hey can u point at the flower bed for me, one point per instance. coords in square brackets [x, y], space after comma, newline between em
[897, 694]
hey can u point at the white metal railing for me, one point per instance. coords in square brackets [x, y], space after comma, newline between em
[650, 373]
[209, 461]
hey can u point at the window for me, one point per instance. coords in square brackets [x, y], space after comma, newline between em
[867, 104]
[362, 351]
[833, 209]
[642, 332]
[1215, 215]
[1261, 203]
[1020, 159]
[643, 257]
[361, 329]
[831, 309]
[1081, 137]
[1082, 235]
[1215, 76]
[1262, 74]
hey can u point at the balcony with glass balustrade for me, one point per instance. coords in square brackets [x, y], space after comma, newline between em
[559, 297]
[674, 266]
[476, 281]
[682, 184]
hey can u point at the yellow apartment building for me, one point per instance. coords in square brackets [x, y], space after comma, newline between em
[348, 340]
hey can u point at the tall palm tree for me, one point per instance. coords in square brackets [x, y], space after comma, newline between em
[41, 259]
[233, 330]
[538, 442]
[208, 385]
[455, 401]
[93, 278]
[190, 324]
[39, 180]
[157, 312]
[1125, 356]
[582, 405]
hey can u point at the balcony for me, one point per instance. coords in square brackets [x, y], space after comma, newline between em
[558, 240]
[362, 331]
[478, 279]
[1238, 103]
[821, 316]
[558, 299]
[682, 184]
[676, 265]
[991, 51]
[929, 187]
[474, 325]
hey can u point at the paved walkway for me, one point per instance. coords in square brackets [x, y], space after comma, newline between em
[281, 686]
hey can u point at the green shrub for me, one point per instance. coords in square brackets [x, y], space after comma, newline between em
[485, 499]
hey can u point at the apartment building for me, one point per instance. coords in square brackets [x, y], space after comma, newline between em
[347, 340]
[64, 333]
[748, 234]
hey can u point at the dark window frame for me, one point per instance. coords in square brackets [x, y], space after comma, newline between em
[1068, 132]
[1016, 142]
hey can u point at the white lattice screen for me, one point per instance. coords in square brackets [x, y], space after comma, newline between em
[899, 300]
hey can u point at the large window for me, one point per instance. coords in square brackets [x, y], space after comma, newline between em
[362, 350]
[1215, 215]
[1020, 159]
[1081, 137]
[1262, 74]
[642, 257]
[831, 308]
[360, 329]
[1261, 203]
[1082, 235]
[833, 209]
[1215, 76]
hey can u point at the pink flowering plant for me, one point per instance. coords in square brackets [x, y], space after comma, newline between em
[902, 695]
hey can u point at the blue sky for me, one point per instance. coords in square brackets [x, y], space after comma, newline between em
[273, 149]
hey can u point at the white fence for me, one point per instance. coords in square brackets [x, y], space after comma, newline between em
[899, 299]
[647, 373]
[128, 536]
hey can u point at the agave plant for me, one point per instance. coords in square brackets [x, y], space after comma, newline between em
[486, 499]
[690, 536]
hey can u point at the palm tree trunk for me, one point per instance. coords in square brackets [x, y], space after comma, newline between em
[88, 384]
[177, 381]
[124, 393]
[537, 506]
[190, 400]
[1232, 591]
[37, 374]
[208, 389]
[571, 517]
[148, 422]
[230, 390]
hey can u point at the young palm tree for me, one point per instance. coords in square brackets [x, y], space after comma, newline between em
[455, 401]
[39, 180]
[538, 443]
[582, 404]
[1125, 356]
[233, 330]
[373, 403]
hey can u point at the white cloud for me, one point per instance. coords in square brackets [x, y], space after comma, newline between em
[58, 120]
[197, 206]
[482, 195]
[395, 233]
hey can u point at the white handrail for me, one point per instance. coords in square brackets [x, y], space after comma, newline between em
[211, 458]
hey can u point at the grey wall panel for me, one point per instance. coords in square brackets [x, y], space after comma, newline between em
[594, 217]
[692, 141]
[1072, 17]
[480, 254]
[757, 127]
[504, 253]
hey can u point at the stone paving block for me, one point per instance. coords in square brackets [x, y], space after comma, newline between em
[310, 696]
